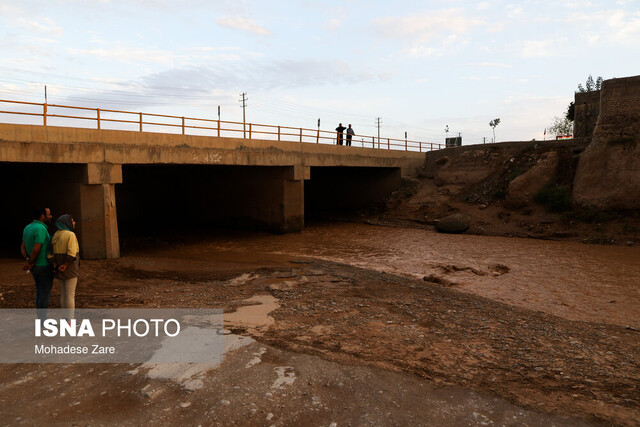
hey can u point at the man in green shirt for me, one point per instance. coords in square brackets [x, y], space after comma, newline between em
[35, 242]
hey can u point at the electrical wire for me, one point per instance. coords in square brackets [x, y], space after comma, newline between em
[137, 94]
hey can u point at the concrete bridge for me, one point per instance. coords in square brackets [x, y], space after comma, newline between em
[161, 179]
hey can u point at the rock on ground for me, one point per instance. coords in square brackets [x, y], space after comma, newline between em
[456, 223]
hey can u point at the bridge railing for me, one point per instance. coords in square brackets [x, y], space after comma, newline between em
[98, 118]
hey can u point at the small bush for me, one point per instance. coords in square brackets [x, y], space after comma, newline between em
[600, 240]
[555, 197]
[515, 173]
[629, 228]
[592, 215]
[499, 194]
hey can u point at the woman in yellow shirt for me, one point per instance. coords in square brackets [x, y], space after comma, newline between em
[66, 253]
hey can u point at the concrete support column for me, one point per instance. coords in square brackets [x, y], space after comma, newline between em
[274, 198]
[98, 224]
[293, 200]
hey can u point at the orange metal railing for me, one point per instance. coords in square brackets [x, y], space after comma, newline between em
[150, 122]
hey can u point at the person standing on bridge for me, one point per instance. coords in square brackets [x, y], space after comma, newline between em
[34, 247]
[340, 129]
[350, 134]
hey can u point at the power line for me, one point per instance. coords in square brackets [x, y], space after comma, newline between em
[308, 116]
[205, 96]
[311, 109]
[141, 94]
[100, 80]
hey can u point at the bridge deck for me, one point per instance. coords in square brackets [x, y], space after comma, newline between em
[201, 179]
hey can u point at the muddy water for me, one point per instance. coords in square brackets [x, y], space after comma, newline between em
[569, 279]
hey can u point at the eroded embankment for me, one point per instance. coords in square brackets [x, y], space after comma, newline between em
[520, 189]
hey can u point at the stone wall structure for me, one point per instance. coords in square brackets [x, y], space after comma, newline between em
[619, 108]
[585, 116]
[608, 174]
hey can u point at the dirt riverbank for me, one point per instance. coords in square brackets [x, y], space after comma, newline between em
[369, 323]
[518, 189]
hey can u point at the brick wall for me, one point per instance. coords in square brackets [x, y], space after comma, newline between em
[619, 108]
[608, 172]
[587, 110]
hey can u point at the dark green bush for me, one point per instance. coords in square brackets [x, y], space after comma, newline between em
[500, 194]
[515, 173]
[590, 214]
[555, 197]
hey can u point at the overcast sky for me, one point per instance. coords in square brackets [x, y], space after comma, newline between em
[419, 65]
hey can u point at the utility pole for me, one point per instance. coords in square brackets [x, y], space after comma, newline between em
[484, 139]
[378, 124]
[45, 94]
[244, 120]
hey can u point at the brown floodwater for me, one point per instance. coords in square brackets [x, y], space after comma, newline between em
[569, 279]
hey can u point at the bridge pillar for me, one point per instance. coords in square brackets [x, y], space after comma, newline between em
[98, 220]
[276, 200]
[293, 199]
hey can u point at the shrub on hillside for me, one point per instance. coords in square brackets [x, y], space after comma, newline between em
[593, 215]
[555, 197]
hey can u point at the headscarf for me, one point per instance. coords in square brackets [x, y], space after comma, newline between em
[64, 222]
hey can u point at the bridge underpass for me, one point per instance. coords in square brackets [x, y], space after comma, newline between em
[123, 182]
[200, 197]
[157, 198]
[339, 190]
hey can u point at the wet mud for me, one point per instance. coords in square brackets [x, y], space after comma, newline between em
[550, 327]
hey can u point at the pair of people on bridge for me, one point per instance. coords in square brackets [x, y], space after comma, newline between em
[48, 257]
[340, 129]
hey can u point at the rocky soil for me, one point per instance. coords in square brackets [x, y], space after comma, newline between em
[499, 187]
[358, 328]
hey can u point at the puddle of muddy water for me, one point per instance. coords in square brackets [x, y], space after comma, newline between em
[190, 375]
[253, 318]
[569, 279]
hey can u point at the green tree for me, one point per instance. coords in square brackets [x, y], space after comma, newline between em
[493, 123]
[589, 86]
[571, 110]
[560, 126]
